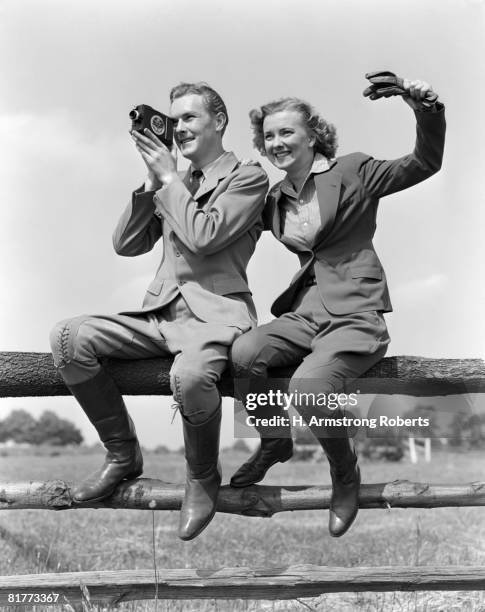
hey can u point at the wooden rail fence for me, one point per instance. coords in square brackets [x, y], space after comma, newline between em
[242, 582]
[33, 374]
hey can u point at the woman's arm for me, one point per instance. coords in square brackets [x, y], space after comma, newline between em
[383, 177]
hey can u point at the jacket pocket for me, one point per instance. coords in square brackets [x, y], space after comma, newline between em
[155, 287]
[366, 272]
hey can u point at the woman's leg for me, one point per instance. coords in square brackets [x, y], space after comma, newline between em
[283, 342]
[344, 349]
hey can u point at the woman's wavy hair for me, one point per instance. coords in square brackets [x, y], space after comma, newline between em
[324, 132]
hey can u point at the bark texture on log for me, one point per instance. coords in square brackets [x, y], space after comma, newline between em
[287, 582]
[34, 375]
[257, 500]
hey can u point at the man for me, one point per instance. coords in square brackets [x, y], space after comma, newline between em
[197, 304]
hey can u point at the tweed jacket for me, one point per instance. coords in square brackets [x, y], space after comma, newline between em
[208, 240]
[348, 272]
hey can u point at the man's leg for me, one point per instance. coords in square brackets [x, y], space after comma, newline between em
[283, 342]
[77, 344]
[346, 348]
[194, 376]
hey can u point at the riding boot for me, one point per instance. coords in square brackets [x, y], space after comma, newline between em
[203, 475]
[270, 451]
[345, 473]
[103, 404]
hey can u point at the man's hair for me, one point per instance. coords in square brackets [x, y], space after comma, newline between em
[324, 132]
[212, 100]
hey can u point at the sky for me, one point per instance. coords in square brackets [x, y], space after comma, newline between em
[71, 71]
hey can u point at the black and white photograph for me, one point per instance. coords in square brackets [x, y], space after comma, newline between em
[242, 343]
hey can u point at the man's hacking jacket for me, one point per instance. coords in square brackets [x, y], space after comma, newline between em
[208, 240]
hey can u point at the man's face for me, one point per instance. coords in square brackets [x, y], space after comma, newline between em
[196, 130]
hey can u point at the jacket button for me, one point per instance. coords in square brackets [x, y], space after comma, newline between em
[181, 282]
[177, 253]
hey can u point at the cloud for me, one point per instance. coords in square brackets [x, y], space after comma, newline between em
[129, 295]
[420, 290]
[56, 137]
[63, 190]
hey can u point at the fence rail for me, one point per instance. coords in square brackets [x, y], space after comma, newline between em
[241, 582]
[257, 500]
[33, 374]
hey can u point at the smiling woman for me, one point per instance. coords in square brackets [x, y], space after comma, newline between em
[288, 144]
[330, 321]
[290, 132]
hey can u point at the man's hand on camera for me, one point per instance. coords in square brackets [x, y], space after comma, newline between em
[419, 92]
[161, 164]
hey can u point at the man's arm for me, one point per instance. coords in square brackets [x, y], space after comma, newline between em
[235, 211]
[383, 177]
[138, 228]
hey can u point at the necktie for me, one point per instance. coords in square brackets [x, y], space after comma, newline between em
[195, 180]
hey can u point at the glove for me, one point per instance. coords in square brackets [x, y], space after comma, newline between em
[385, 84]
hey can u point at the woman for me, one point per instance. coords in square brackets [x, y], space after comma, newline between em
[330, 320]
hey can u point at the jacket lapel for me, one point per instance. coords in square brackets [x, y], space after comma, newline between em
[186, 178]
[328, 191]
[224, 166]
[274, 213]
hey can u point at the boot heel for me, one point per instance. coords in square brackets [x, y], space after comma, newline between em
[285, 459]
[133, 475]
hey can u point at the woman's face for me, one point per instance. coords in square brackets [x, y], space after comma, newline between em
[287, 143]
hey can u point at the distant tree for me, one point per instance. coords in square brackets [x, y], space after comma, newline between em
[468, 430]
[462, 427]
[475, 428]
[51, 429]
[19, 426]
[387, 445]
[97, 447]
[429, 412]
[241, 446]
[161, 449]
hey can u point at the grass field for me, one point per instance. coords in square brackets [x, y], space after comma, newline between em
[36, 541]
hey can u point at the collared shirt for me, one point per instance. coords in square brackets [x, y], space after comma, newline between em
[207, 168]
[300, 212]
[206, 171]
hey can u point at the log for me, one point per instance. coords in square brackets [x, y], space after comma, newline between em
[34, 375]
[257, 500]
[114, 587]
